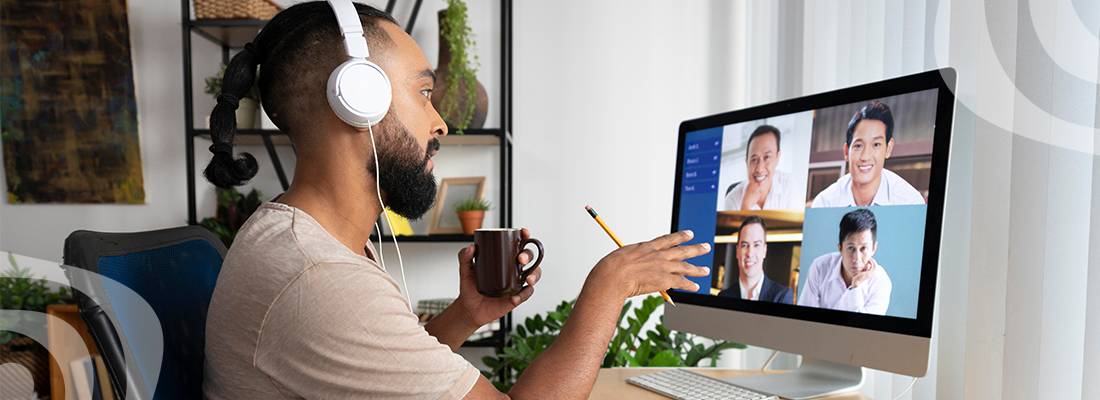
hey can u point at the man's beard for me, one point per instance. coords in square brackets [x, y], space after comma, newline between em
[409, 188]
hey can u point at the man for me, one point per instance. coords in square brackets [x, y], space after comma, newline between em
[303, 310]
[752, 248]
[766, 188]
[850, 280]
[869, 142]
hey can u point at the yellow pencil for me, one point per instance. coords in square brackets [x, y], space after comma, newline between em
[595, 216]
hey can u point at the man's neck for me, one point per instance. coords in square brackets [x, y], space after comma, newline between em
[750, 282]
[844, 276]
[346, 205]
[865, 194]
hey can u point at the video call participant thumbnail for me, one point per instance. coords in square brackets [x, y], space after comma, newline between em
[869, 142]
[765, 188]
[752, 248]
[850, 280]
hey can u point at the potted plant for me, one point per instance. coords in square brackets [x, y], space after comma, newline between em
[20, 291]
[471, 213]
[462, 100]
[246, 111]
[233, 210]
[630, 347]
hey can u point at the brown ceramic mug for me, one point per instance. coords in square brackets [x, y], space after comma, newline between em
[499, 273]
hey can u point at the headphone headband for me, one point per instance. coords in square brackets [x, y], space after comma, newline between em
[358, 90]
[350, 28]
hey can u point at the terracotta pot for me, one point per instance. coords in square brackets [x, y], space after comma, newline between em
[481, 106]
[471, 221]
[246, 113]
[36, 359]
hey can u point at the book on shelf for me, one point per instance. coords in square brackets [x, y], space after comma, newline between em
[433, 306]
[485, 331]
[106, 391]
[90, 379]
[83, 376]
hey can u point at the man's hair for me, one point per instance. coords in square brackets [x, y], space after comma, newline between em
[858, 221]
[296, 50]
[760, 131]
[874, 110]
[752, 219]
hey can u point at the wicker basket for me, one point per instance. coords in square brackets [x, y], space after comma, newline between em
[236, 9]
[36, 361]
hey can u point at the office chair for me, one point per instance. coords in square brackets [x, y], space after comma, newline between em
[174, 271]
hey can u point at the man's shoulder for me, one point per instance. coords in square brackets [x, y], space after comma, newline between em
[829, 197]
[901, 189]
[826, 260]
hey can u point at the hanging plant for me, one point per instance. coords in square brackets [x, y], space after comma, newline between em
[455, 31]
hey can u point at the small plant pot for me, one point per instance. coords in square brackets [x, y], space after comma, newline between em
[34, 358]
[471, 220]
[246, 113]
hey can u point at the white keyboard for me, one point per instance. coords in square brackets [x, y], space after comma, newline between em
[685, 385]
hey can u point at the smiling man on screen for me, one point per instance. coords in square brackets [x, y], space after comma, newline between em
[869, 142]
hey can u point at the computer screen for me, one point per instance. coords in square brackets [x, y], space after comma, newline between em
[825, 209]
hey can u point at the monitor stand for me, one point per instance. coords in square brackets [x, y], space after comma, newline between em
[813, 378]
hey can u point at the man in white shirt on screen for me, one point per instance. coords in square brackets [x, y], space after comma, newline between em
[869, 142]
[850, 280]
[766, 188]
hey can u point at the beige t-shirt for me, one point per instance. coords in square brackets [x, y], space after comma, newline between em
[297, 315]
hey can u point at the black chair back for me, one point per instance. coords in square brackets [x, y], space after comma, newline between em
[172, 270]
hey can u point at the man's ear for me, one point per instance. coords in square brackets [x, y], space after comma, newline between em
[889, 147]
[846, 145]
[874, 248]
[840, 247]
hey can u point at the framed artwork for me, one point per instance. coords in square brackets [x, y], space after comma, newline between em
[70, 114]
[452, 191]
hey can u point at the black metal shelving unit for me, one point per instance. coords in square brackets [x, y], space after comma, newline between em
[233, 34]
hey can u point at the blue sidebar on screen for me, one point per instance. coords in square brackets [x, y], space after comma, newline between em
[699, 194]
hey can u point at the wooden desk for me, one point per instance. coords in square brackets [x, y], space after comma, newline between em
[611, 383]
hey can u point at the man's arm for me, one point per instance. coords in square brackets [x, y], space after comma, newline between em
[451, 327]
[810, 298]
[568, 368]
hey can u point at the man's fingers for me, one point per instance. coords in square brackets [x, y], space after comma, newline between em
[686, 252]
[691, 270]
[672, 239]
[466, 256]
[523, 295]
[534, 277]
[526, 256]
[524, 234]
[681, 282]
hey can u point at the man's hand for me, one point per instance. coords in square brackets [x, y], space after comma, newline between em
[480, 309]
[868, 272]
[755, 192]
[647, 267]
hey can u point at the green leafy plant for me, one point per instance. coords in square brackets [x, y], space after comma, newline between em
[19, 290]
[214, 86]
[457, 33]
[473, 204]
[233, 210]
[630, 347]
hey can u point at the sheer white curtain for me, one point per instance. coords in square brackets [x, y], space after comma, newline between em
[1019, 316]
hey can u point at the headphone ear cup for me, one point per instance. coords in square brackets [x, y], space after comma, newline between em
[359, 92]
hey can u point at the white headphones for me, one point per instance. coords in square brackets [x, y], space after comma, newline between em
[358, 90]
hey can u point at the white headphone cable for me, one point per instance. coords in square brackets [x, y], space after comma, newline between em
[378, 191]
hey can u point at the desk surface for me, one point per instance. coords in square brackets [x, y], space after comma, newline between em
[611, 383]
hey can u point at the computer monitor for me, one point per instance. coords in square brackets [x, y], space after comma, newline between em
[825, 213]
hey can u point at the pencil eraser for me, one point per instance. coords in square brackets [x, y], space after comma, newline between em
[587, 207]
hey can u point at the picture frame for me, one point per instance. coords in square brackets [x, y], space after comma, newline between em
[452, 191]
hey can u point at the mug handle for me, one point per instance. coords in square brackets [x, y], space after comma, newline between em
[525, 272]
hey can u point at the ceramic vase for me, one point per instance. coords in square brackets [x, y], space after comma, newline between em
[481, 106]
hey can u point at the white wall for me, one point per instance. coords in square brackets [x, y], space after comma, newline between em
[600, 88]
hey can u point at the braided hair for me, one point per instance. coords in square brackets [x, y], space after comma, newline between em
[287, 45]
